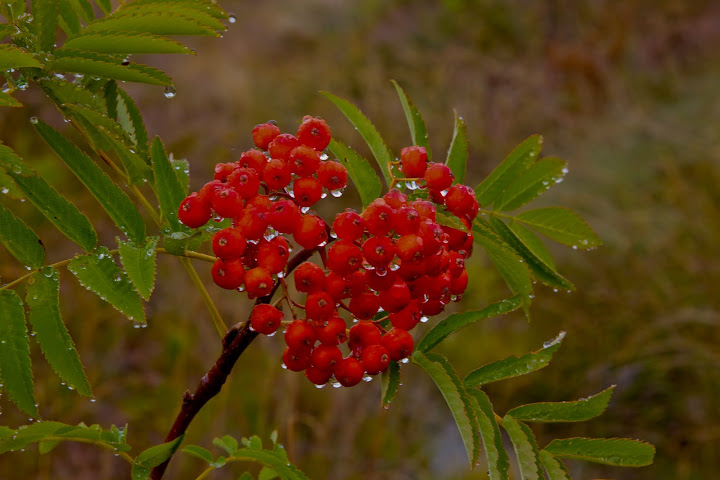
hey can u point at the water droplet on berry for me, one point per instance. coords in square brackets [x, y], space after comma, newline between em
[170, 92]
[424, 319]
[381, 272]
[322, 244]
[232, 18]
[320, 386]
[367, 378]
[336, 384]
[283, 366]
[241, 288]
[271, 334]
[93, 400]
[251, 328]
[323, 157]
[411, 185]
[404, 360]
[323, 194]
[34, 120]
[336, 193]
[305, 209]
[281, 275]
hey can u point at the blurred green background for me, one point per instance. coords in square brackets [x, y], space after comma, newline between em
[626, 92]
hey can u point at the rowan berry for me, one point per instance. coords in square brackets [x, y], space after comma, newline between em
[325, 357]
[348, 225]
[378, 251]
[337, 286]
[425, 209]
[409, 248]
[395, 198]
[394, 298]
[245, 181]
[460, 201]
[254, 159]
[318, 376]
[296, 360]
[228, 243]
[310, 232]
[436, 196]
[304, 161]
[193, 212]
[333, 332]
[259, 201]
[349, 372]
[438, 263]
[379, 282]
[459, 283]
[378, 217]
[319, 305]
[456, 239]
[265, 319]
[308, 277]
[357, 282]
[263, 134]
[398, 343]
[307, 191]
[409, 271]
[432, 307]
[413, 161]
[276, 174]
[252, 223]
[223, 171]
[344, 257]
[205, 194]
[406, 220]
[282, 145]
[374, 359]
[438, 176]
[364, 306]
[273, 255]
[432, 235]
[438, 286]
[408, 317]
[226, 202]
[250, 257]
[314, 132]
[456, 264]
[228, 274]
[258, 282]
[332, 175]
[300, 335]
[362, 334]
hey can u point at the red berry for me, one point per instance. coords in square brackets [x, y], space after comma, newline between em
[261, 202]
[378, 217]
[265, 319]
[364, 306]
[413, 161]
[408, 317]
[395, 298]
[438, 176]
[252, 223]
[314, 133]
[307, 191]
[456, 264]
[228, 243]
[223, 171]
[363, 334]
[374, 359]
[308, 277]
[349, 372]
[348, 225]
[299, 335]
[311, 232]
[460, 200]
[318, 376]
[459, 284]
[284, 216]
[254, 159]
[333, 332]
[409, 248]
[276, 174]
[438, 286]
[456, 239]
[438, 263]
[337, 286]
[273, 255]
[406, 220]
[245, 181]
[304, 161]
[357, 282]
[206, 192]
[332, 175]
[432, 307]
[227, 202]
[263, 134]
[258, 282]
[379, 282]
[296, 360]
[395, 198]
[228, 275]
[432, 235]
[325, 357]
[378, 251]
[344, 257]
[425, 209]
[409, 271]
[193, 212]
[399, 344]
[319, 305]
[282, 145]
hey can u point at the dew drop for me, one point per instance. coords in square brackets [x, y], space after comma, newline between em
[232, 18]
[320, 386]
[5, 190]
[170, 92]
[93, 400]
[404, 360]
[324, 157]
[424, 319]
[367, 378]
[323, 195]
[336, 384]
[284, 366]
[336, 193]
[305, 209]
[412, 185]
[271, 334]
[34, 120]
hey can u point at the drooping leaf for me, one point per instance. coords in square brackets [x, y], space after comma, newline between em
[562, 225]
[139, 264]
[107, 66]
[6, 100]
[438, 368]
[43, 297]
[167, 186]
[98, 273]
[6, 29]
[540, 270]
[514, 366]
[110, 94]
[361, 172]
[532, 182]
[98, 119]
[621, 452]
[198, 452]
[367, 130]
[20, 241]
[45, 18]
[131, 120]
[152, 457]
[15, 57]
[124, 43]
[188, 9]
[497, 458]
[576, 411]
[526, 449]
[458, 152]
[456, 321]
[15, 365]
[555, 468]
[390, 384]
[418, 130]
[13, 8]
[504, 174]
[115, 202]
[155, 23]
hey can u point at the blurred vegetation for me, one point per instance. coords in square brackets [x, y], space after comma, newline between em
[626, 92]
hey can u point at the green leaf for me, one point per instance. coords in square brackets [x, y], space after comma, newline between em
[15, 353]
[99, 65]
[98, 273]
[390, 384]
[168, 189]
[555, 468]
[438, 368]
[68, 21]
[456, 321]
[382, 153]
[252, 442]
[497, 458]
[6, 30]
[361, 172]
[418, 130]
[124, 43]
[526, 449]
[63, 92]
[131, 120]
[182, 170]
[531, 241]
[155, 23]
[272, 459]
[45, 18]
[115, 202]
[8, 101]
[152, 457]
[14, 57]
[177, 243]
[104, 5]
[267, 474]
[43, 297]
[28, 434]
[504, 174]
[540, 270]
[514, 366]
[621, 452]
[576, 411]
[110, 94]
[139, 264]
[531, 183]
[113, 438]
[84, 9]
[20, 241]
[199, 452]
[227, 443]
[187, 9]
[562, 225]
[443, 217]
[209, 7]
[457, 155]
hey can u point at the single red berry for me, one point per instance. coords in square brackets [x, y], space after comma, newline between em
[409, 248]
[223, 171]
[456, 264]
[311, 232]
[395, 198]
[363, 334]
[263, 134]
[348, 225]
[193, 212]
[332, 332]
[379, 282]
[378, 251]
[296, 360]
[276, 174]
[413, 161]
[207, 191]
[314, 133]
[399, 344]
[460, 200]
[394, 298]
[408, 317]
[308, 277]
[318, 376]
[409, 271]
[273, 254]
[249, 258]
[425, 208]
[344, 257]
[349, 372]
[438, 286]
[227, 202]
[245, 181]
[364, 306]
[357, 282]
[337, 286]
[319, 305]
[252, 223]
[259, 201]
[284, 216]
[299, 335]
[254, 159]
[436, 196]
[432, 307]
[459, 283]
[325, 357]
[378, 217]
[438, 176]
[438, 263]
[258, 282]
[307, 191]
[282, 145]
[432, 235]
[374, 359]
[332, 175]
[228, 275]
[265, 319]
[406, 220]
[304, 161]
[228, 243]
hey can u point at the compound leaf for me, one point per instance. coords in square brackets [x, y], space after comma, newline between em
[15, 57]
[562, 225]
[526, 449]
[532, 182]
[152, 457]
[168, 189]
[15, 365]
[555, 468]
[621, 452]
[157, 23]
[124, 43]
[6, 100]
[576, 411]
[198, 452]
[497, 458]
[131, 120]
[390, 384]
[45, 19]
[107, 66]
